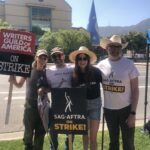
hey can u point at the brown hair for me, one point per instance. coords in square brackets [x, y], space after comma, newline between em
[89, 69]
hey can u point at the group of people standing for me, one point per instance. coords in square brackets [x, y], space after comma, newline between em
[119, 79]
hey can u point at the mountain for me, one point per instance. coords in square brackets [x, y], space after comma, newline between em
[111, 30]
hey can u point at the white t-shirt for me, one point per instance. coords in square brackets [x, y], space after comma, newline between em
[116, 76]
[59, 77]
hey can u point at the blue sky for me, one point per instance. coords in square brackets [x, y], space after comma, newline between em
[110, 12]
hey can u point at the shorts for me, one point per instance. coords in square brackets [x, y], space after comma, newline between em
[94, 109]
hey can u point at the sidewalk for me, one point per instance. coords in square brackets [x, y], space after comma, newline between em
[11, 136]
[19, 135]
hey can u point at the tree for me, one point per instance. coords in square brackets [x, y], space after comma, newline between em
[69, 40]
[4, 24]
[38, 34]
[136, 41]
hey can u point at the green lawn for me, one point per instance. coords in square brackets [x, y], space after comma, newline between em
[142, 142]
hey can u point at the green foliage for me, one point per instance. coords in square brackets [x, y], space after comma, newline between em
[49, 40]
[69, 40]
[136, 41]
[37, 30]
[3, 24]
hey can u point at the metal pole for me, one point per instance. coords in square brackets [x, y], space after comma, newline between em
[146, 83]
[103, 125]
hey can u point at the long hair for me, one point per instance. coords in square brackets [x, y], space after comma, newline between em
[88, 72]
[34, 64]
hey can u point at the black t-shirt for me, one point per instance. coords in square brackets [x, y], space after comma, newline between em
[32, 87]
[93, 85]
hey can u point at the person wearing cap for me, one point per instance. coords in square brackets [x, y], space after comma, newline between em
[88, 76]
[58, 76]
[121, 93]
[34, 131]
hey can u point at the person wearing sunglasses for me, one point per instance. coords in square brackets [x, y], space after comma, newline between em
[34, 130]
[58, 76]
[88, 76]
[121, 93]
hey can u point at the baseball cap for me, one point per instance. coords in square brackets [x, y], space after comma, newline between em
[57, 50]
[41, 52]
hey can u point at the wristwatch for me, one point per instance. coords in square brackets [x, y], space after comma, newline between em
[132, 112]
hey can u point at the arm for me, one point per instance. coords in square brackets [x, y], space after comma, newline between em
[134, 101]
[134, 94]
[18, 83]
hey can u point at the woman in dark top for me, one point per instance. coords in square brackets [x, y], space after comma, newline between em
[34, 131]
[90, 77]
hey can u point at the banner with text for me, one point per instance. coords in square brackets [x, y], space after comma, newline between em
[16, 52]
[69, 110]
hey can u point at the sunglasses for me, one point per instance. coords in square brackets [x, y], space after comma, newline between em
[43, 57]
[82, 58]
[54, 56]
[115, 46]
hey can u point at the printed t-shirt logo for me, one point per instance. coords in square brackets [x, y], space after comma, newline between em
[113, 88]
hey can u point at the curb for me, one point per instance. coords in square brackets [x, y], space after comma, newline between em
[19, 135]
[11, 136]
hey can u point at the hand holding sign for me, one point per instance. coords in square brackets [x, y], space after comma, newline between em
[16, 56]
[16, 52]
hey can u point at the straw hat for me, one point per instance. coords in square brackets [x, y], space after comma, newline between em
[83, 50]
[114, 40]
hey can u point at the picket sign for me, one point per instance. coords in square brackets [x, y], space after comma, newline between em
[9, 103]
[16, 57]
[69, 112]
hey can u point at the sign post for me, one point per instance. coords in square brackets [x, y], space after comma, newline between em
[16, 56]
[146, 78]
[70, 141]
[9, 103]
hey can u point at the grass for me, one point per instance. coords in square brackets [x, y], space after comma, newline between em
[142, 142]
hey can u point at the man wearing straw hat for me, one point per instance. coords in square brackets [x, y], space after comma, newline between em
[121, 93]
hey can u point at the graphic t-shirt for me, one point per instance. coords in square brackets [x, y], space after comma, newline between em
[31, 87]
[116, 76]
[59, 77]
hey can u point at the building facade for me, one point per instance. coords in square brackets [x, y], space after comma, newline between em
[46, 14]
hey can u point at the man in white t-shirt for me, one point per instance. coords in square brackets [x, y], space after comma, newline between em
[58, 76]
[121, 93]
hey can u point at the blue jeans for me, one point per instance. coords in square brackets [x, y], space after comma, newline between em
[116, 120]
[94, 108]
